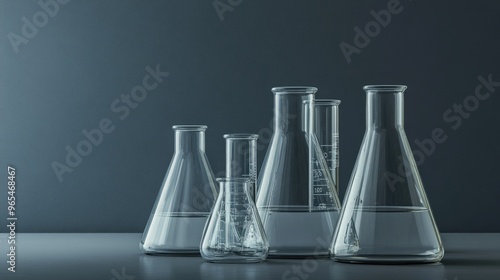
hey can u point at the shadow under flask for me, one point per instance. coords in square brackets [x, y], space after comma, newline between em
[386, 217]
[186, 197]
[297, 199]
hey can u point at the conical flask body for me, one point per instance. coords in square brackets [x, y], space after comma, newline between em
[297, 199]
[386, 217]
[185, 199]
[234, 232]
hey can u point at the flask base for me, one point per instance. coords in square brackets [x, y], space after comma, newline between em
[231, 256]
[389, 259]
[236, 260]
[151, 250]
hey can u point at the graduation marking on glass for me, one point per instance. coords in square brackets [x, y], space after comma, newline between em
[326, 128]
[241, 158]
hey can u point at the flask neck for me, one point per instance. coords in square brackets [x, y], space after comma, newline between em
[241, 155]
[189, 141]
[384, 109]
[293, 112]
[234, 189]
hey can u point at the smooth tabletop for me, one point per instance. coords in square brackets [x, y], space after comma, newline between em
[117, 256]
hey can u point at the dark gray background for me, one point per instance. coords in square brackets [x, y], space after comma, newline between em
[221, 73]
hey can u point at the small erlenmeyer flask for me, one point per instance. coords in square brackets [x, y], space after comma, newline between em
[297, 200]
[326, 127]
[386, 217]
[185, 199]
[241, 158]
[234, 231]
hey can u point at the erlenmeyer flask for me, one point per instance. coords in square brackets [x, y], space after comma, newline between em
[234, 231]
[326, 128]
[186, 197]
[297, 200]
[386, 217]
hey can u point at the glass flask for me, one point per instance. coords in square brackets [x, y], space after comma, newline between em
[234, 231]
[185, 199]
[241, 158]
[326, 127]
[386, 217]
[297, 200]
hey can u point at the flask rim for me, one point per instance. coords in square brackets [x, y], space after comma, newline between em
[327, 102]
[233, 180]
[189, 127]
[242, 136]
[294, 90]
[385, 88]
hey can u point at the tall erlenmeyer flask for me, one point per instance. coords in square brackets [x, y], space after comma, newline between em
[386, 217]
[297, 200]
[186, 197]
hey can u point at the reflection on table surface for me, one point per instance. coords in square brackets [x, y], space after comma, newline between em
[117, 256]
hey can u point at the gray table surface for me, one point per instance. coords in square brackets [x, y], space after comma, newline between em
[117, 256]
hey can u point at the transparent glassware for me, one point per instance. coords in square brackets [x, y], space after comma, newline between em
[326, 127]
[241, 158]
[297, 200]
[186, 197]
[386, 217]
[234, 231]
